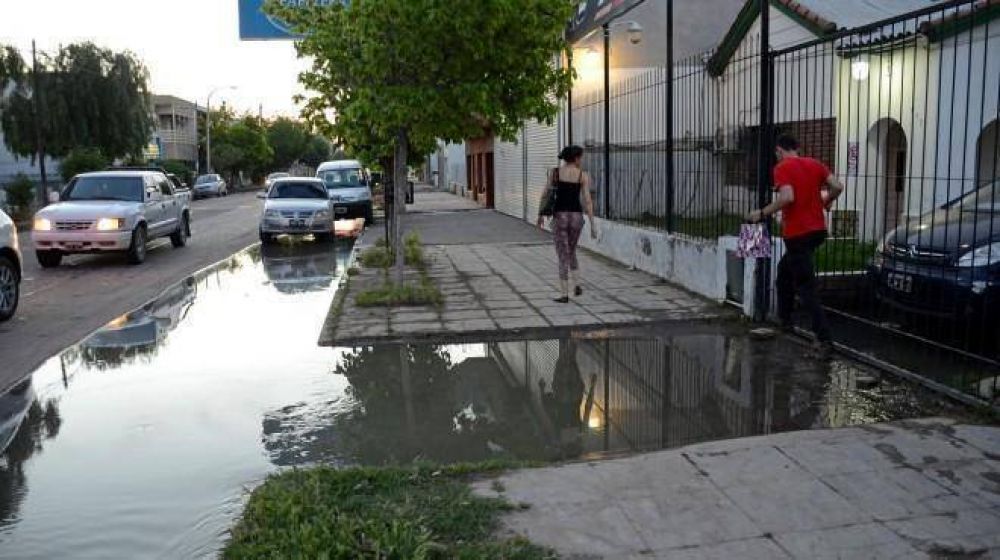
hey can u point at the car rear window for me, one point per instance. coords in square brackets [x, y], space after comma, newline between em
[289, 189]
[105, 188]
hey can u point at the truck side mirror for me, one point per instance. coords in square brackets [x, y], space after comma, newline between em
[54, 197]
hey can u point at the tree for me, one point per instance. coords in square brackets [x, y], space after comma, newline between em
[289, 140]
[87, 96]
[81, 160]
[400, 73]
[241, 146]
[317, 151]
[20, 193]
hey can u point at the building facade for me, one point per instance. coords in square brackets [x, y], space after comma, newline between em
[175, 134]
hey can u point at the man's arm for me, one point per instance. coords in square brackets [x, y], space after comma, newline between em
[834, 189]
[786, 195]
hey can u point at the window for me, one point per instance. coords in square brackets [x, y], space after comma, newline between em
[341, 178]
[297, 190]
[165, 188]
[106, 188]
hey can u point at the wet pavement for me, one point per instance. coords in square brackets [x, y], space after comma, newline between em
[144, 439]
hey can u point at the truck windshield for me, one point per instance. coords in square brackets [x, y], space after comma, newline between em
[341, 178]
[128, 189]
[297, 190]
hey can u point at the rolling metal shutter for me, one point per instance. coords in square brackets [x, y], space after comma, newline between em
[542, 149]
[509, 179]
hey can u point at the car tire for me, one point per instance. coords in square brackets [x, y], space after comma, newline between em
[266, 238]
[369, 217]
[137, 249]
[180, 237]
[48, 259]
[10, 288]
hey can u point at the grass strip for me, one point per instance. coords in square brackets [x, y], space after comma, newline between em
[420, 512]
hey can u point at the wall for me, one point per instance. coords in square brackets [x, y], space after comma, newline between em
[11, 165]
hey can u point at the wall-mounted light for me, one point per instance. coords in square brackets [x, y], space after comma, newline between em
[859, 70]
[634, 32]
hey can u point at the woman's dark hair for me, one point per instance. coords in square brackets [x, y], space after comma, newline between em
[571, 153]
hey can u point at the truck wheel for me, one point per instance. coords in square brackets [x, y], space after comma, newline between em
[266, 238]
[48, 259]
[137, 250]
[9, 288]
[369, 216]
[179, 238]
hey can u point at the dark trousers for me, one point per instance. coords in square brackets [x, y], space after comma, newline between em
[795, 274]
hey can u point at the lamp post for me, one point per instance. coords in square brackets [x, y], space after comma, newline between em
[208, 126]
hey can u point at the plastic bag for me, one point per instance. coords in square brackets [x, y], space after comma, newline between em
[754, 242]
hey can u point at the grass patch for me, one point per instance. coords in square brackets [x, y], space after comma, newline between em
[379, 255]
[353, 271]
[392, 512]
[390, 294]
[843, 255]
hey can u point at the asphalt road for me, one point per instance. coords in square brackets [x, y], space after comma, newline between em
[63, 305]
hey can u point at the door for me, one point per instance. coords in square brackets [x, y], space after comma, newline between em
[153, 207]
[171, 212]
[895, 177]
[490, 182]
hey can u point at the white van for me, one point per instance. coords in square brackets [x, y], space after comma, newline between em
[349, 186]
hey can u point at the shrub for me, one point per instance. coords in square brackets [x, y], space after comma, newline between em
[20, 196]
[181, 169]
[82, 160]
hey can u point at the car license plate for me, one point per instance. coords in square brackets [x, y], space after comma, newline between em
[73, 246]
[900, 282]
[297, 223]
[340, 209]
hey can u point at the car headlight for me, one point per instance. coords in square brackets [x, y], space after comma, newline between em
[110, 224]
[271, 214]
[985, 255]
[321, 215]
[42, 224]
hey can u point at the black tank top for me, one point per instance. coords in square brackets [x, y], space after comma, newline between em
[567, 195]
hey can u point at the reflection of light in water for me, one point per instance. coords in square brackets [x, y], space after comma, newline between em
[117, 322]
[461, 352]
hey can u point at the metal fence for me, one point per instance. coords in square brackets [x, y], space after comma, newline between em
[905, 112]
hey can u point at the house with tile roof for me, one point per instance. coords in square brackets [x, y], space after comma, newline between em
[898, 97]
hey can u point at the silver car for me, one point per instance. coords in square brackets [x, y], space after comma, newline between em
[10, 267]
[296, 206]
[211, 184]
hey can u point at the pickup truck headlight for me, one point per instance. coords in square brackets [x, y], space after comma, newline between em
[271, 214]
[110, 224]
[321, 215]
[42, 224]
[985, 255]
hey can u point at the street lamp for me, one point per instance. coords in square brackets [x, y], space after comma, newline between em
[208, 126]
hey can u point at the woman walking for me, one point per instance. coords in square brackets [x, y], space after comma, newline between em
[566, 197]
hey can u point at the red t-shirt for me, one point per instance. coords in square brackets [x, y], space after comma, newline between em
[806, 177]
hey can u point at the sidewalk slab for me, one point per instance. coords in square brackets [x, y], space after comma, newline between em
[762, 497]
[509, 287]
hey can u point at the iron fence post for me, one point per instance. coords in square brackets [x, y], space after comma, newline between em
[607, 120]
[670, 116]
[763, 269]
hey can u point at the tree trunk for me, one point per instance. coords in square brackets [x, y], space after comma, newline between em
[399, 200]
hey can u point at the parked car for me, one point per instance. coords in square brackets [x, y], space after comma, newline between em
[349, 186]
[10, 268]
[211, 184]
[273, 176]
[111, 211]
[296, 206]
[946, 263]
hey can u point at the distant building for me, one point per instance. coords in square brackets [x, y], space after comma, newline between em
[175, 133]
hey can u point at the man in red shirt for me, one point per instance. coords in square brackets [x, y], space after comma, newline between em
[805, 188]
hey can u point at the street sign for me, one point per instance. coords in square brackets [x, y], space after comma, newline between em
[257, 25]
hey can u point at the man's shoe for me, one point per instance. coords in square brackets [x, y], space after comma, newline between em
[564, 299]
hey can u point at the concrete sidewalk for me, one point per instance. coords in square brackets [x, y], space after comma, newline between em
[498, 273]
[906, 490]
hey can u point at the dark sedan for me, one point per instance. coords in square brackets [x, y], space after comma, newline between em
[947, 263]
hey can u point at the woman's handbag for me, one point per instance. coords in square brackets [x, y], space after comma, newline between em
[754, 242]
[548, 207]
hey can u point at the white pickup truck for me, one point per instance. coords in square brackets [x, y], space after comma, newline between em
[111, 211]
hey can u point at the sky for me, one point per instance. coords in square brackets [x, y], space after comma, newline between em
[189, 46]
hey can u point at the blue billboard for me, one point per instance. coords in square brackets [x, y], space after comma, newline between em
[256, 25]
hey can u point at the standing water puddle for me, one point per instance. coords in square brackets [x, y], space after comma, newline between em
[144, 439]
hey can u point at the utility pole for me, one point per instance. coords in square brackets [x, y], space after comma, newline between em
[764, 151]
[43, 192]
[670, 117]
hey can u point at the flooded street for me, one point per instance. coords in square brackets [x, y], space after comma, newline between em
[143, 440]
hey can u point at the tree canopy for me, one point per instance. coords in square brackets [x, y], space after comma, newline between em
[432, 68]
[289, 140]
[87, 96]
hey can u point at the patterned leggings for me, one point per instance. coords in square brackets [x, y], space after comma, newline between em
[568, 226]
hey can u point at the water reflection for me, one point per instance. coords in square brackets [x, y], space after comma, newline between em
[220, 382]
